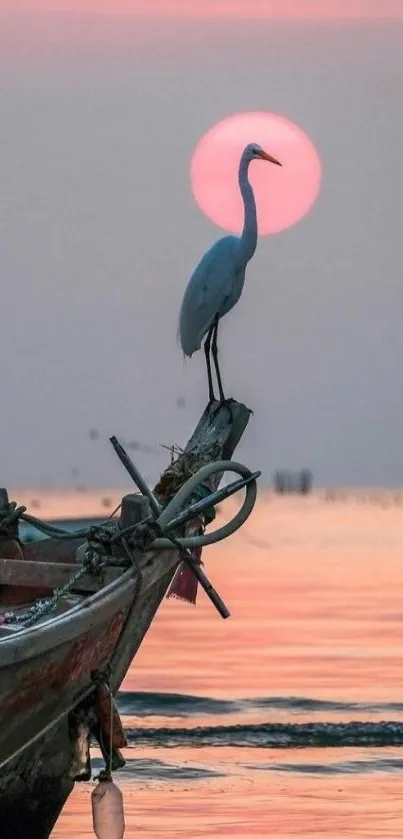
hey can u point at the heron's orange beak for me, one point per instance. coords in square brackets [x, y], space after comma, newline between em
[268, 157]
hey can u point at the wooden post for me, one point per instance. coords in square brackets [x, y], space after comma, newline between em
[216, 436]
[135, 508]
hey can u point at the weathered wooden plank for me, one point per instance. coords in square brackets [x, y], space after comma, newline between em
[216, 437]
[53, 550]
[17, 572]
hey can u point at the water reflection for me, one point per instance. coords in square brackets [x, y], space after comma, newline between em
[315, 637]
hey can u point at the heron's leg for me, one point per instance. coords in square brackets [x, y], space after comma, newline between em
[207, 345]
[214, 353]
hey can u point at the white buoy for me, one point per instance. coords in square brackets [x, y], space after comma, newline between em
[107, 811]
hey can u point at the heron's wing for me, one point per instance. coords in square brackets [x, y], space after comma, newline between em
[208, 292]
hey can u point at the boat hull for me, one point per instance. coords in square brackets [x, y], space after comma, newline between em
[36, 698]
[35, 786]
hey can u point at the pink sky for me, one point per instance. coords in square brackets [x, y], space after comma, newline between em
[280, 9]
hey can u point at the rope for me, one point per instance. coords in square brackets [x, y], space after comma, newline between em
[111, 734]
[102, 677]
[9, 518]
[146, 535]
[12, 514]
[56, 532]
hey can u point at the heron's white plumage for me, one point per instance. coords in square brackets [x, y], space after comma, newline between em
[213, 289]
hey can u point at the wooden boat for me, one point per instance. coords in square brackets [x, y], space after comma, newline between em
[72, 618]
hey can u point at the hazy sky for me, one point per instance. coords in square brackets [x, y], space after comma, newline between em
[99, 234]
[269, 9]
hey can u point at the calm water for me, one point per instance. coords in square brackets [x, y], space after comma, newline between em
[285, 720]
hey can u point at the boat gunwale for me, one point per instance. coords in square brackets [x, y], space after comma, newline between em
[94, 609]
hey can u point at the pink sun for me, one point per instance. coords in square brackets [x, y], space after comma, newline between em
[283, 195]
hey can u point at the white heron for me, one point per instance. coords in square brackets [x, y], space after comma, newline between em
[217, 283]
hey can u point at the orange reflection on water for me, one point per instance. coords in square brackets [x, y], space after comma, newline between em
[315, 591]
[252, 803]
[316, 612]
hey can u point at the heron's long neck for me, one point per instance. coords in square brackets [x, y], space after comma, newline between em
[248, 239]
